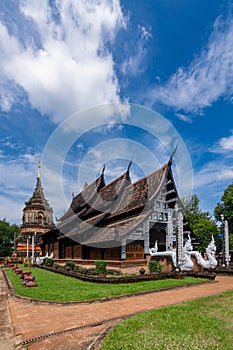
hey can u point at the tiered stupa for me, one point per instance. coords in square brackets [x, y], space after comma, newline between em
[37, 215]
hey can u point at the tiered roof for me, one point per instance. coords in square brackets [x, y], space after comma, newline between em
[107, 213]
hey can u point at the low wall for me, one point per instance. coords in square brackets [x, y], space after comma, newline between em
[132, 266]
[129, 279]
[122, 266]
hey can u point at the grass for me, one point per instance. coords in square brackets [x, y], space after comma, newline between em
[201, 324]
[52, 286]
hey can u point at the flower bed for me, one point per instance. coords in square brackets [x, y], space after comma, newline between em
[86, 276]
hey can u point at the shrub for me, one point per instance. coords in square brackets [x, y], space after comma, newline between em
[48, 261]
[100, 266]
[154, 266]
[82, 270]
[70, 264]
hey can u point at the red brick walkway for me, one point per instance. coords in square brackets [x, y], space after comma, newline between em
[38, 319]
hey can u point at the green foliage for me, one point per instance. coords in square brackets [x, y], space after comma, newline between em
[70, 264]
[201, 223]
[7, 233]
[154, 266]
[201, 324]
[192, 211]
[100, 266]
[48, 261]
[225, 207]
[204, 229]
[53, 286]
[231, 241]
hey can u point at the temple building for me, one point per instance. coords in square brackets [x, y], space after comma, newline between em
[120, 220]
[37, 219]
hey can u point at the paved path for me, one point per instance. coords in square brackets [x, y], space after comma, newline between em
[7, 340]
[33, 320]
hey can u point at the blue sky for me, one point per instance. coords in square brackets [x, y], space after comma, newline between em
[62, 57]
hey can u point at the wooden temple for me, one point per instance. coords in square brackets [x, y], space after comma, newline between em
[120, 220]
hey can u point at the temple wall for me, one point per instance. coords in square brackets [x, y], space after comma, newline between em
[68, 252]
[55, 250]
[109, 254]
[112, 254]
[95, 254]
[46, 248]
[77, 251]
[134, 252]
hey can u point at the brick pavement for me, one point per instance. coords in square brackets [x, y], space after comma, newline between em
[33, 319]
[6, 327]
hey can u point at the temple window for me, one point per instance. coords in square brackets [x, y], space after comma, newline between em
[40, 219]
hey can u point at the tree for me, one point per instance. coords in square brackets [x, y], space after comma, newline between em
[204, 229]
[201, 223]
[7, 234]
[225, 207]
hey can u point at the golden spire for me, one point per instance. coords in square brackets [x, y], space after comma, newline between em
[38, 176]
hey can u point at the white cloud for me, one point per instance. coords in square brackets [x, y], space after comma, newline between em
[184, 118]
[224, 146]
[226, 143]
[70, 68]
[136, 63]
[11, 210]
[208, 77]
[213, 173]
[17, 183]
[211, 181]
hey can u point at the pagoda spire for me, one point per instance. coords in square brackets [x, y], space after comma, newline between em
[37, 214]
[39, 166]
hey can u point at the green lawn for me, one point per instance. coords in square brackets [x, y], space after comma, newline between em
[201, 324]
[53, 286]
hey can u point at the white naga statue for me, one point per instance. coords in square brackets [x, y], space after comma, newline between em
[40, 260]
[186, 263]
[211, 262]
[171, 253]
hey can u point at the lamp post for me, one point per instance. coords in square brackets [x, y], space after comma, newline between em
[223, 241]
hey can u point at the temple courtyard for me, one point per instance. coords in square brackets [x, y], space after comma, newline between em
[80, 325]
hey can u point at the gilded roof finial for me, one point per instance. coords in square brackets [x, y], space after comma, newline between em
[38, 176]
